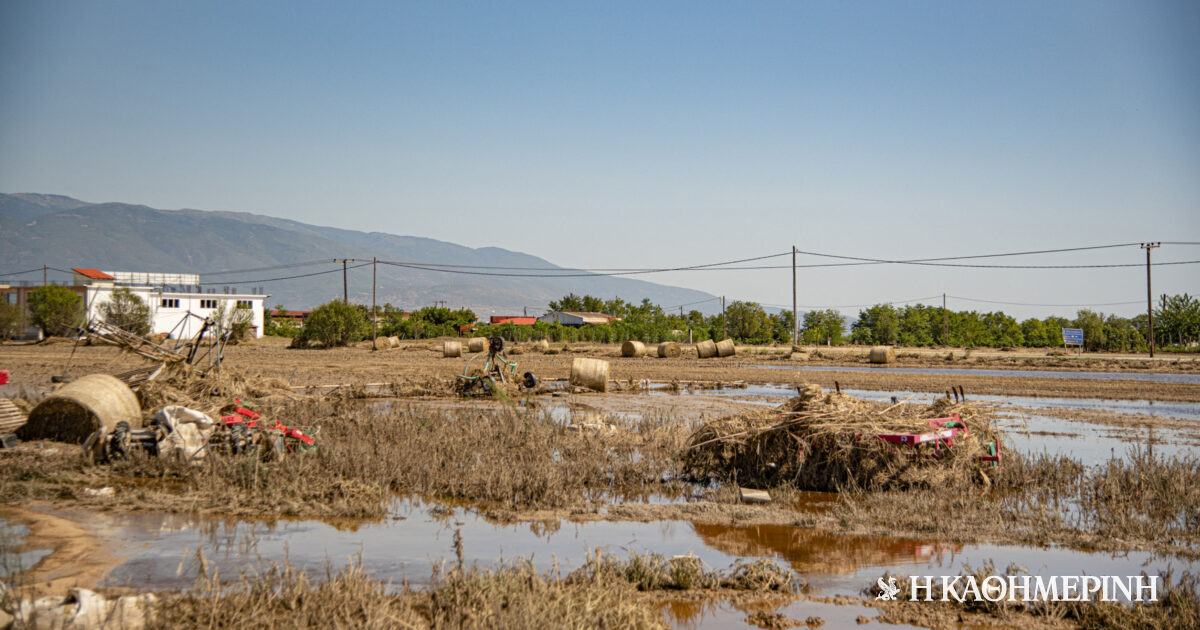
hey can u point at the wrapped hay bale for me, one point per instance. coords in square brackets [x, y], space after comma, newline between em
[706, 349]
[82, 407]
[725, 348]
[452, 349]
[830, 442]
[633, 348]
[668, 350]
[882, 354]
[477, 344]
[590, 373]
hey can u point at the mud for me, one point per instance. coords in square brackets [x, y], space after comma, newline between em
[77, 558]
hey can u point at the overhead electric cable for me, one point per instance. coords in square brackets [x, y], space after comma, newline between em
[305, 275]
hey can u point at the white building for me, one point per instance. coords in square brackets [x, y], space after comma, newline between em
[178, 305]
[577, 318]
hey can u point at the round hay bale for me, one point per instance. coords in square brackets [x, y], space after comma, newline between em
[542, 345]
[451, 349]
[668, 350]
[800, 349]
[393, 342]
[633, 348]
[882, 354]
[477, 344]
[725, 348]
[77, 410]
[798, 356]
[590, 373]
[706, 349]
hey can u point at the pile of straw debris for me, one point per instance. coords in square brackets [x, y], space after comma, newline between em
[830, 442]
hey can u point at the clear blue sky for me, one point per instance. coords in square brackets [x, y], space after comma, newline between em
[643, 134]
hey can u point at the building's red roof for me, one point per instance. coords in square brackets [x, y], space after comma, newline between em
[290, 313]
[518, 320]
[94, 274]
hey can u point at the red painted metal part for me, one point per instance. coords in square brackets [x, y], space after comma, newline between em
[941, 434]
[3, 377]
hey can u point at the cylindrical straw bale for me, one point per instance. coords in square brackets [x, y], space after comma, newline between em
[882, 354]
[725, 348]
[590, 373]
[477, 344]
[451, 349]
[77, 410]
[633, 348]
[706, 349]
[393, 342]
[668, 350]
[542, 345]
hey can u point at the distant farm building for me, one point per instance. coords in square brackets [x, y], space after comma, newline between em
[577, 318]
[516, 320]
[178, 303]
[290, 318]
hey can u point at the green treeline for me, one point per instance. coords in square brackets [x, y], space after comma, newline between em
[1176, 319]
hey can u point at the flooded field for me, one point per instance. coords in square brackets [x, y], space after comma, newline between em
[1095, 480]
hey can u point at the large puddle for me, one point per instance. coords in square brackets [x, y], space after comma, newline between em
[1190, 379]
[161, 549]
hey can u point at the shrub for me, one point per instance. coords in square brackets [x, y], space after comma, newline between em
[334, 324]
[54, 309]
[127, 311]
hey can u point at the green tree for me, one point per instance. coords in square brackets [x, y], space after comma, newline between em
[334, 324]
[879, 324]
[10, 320]
[748, 322]
[56, 310]
[127, 311]
[825, 326]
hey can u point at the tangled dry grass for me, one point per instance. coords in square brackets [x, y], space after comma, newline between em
[606, 592]
[828, 441]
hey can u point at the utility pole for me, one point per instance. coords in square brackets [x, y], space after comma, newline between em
[374, 315]
[945, 322]
[44, 270]
[795, 325]
[345, 290]
[722, 317]
[1149, 294]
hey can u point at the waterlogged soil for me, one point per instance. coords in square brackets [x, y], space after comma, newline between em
[420, 362]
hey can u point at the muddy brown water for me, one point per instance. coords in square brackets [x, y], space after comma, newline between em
[159, 550]
[1189, 379]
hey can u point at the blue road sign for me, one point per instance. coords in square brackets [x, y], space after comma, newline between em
[1072, 336]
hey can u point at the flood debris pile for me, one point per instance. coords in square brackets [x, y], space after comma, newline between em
[836, 442]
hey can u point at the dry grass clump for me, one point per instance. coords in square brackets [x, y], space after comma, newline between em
[605, 592]
[366, 454]
[819, 441]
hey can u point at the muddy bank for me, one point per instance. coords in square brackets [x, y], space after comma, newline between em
[77, 558]
[421, 362]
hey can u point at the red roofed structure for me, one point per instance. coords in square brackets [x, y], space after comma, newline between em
[516, 320]
[92, 274]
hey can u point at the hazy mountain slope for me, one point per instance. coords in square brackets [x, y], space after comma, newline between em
[64, 233]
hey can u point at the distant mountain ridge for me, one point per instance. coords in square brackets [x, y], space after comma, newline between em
[63, 232]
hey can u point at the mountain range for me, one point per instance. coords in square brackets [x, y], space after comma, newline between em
[62, 232]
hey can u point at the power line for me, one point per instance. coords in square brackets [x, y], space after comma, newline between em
[306, 263]
[305, 275]
[18, 273]
[967, 299]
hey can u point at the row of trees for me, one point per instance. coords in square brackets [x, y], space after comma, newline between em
[1177, 320]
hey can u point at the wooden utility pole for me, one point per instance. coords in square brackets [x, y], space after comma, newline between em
[374, 315]
[722, 317]
[45, 268]
[1150, 294]
[795, 324]
[345, 290]
[945, 322]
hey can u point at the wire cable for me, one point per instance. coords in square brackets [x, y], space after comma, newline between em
[305, 275]
[18, 273]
